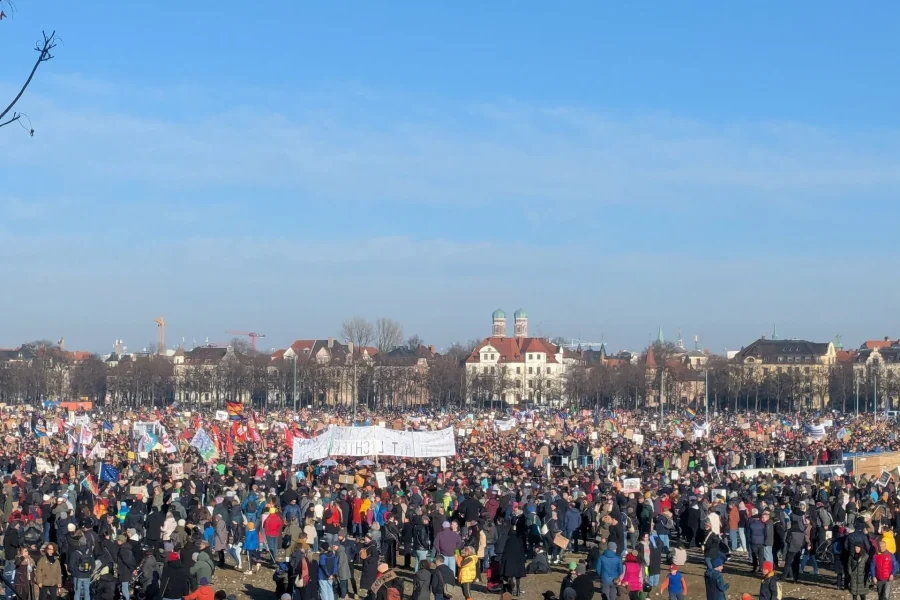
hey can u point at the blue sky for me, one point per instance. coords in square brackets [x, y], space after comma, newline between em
[611, 169]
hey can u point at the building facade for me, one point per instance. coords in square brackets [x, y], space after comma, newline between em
[515, 370]
[796, 371]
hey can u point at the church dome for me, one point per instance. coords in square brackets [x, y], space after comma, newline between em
[521, 314]
[499, 314]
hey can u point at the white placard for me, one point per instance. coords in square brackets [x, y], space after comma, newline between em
[221, 415]
[42, 466]
[631, 486]
[715, 493]
[637, 439]
[176, 471]
[381, 479]
[674, 475]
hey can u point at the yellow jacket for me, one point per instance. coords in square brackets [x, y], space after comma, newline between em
[364, 508]
[467, 569]
[890, 541]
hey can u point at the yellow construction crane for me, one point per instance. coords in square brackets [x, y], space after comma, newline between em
[161, 323]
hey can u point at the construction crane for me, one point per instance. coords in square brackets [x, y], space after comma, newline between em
[161, 323]
[250, 334]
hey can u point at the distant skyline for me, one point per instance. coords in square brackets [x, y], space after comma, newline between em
[612, 169]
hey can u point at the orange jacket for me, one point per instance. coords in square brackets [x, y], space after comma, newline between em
[204, 592]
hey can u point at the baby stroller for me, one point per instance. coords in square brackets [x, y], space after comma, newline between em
[103, 582]
[492, 576]
[824, 554]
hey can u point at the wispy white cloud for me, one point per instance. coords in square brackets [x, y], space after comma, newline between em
[474, 154]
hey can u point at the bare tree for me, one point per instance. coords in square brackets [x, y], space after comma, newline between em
[242, 346]
[388, 334]
[44, 49]
[414, 341]
[359, 331]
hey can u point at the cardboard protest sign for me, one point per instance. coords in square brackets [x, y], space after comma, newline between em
[176, 471]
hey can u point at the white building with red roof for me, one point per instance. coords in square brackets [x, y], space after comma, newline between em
[517, 369]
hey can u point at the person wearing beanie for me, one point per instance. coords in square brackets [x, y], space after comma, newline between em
[715, 583]
[387, 580]
[251, 546]
[568, 582]
[584, 583]
[175, 579]
[203, 592]
[203, 566]
[610, 569]
[676, 584]
[768, 587]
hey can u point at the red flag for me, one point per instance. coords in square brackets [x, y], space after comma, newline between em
[252, 433]
[289, 437]
[229, 446]
[216, 436]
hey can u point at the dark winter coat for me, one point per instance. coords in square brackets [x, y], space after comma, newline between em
[512, 563]
[175, 580]
[422, 585]
[125, 563]
[856, 575]
[368, 571]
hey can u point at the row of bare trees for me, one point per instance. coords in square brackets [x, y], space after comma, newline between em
[403, 380]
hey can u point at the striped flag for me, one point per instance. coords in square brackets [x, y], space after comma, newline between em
[90, 484]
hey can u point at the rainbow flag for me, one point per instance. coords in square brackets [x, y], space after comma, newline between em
[235, 410]
[90, 484]
[691, 413]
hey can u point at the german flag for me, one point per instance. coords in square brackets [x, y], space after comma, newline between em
[235, 410]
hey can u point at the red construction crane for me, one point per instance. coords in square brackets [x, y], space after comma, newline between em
[252, 335]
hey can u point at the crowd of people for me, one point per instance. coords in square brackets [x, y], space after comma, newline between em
[618, 502]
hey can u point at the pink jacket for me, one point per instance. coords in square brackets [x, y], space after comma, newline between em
[634, 575]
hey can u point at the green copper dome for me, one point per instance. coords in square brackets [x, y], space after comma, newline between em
[499, 314]
[521, 314]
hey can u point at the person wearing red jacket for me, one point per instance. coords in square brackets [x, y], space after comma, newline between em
[272, 526]
[884, 568]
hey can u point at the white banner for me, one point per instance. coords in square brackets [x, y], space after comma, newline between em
[372, 441]
[504, 425]
[432, 444]
[306, 450]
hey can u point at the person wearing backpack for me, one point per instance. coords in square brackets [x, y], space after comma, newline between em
[81, 566]
[388, 586]
[769, 587]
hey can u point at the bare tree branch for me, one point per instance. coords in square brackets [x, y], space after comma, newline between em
[388, 334]
[358, 330]
[44, 54]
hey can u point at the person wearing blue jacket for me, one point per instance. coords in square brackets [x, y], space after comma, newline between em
[610, 568]
[571, 525]
[715, 583]
[328, 568]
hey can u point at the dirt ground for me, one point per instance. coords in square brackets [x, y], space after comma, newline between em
[259, 586]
